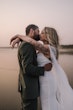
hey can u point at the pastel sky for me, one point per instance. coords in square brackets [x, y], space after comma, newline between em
[15, 15]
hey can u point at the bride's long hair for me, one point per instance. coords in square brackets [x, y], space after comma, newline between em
[52, 38]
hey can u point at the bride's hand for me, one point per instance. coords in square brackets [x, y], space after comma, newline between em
[13, 38]
[14, 42]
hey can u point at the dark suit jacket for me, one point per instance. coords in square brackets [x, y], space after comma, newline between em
[29, 71]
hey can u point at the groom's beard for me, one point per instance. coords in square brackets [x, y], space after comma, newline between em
[37, 37]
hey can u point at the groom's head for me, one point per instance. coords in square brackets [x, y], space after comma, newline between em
[33, 31]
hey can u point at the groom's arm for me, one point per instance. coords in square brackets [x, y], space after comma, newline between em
[30, 69]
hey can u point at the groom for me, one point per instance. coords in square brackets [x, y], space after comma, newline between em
[29, 70]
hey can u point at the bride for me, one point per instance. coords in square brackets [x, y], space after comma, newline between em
[55, 91]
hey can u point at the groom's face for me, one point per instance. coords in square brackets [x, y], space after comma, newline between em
[36, 34]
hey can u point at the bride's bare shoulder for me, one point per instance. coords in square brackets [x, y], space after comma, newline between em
[41, 42]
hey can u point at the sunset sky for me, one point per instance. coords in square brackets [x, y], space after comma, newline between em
[15, 15]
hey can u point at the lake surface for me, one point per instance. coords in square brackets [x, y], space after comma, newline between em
[9, 96]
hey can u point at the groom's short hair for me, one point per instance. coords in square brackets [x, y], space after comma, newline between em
[31, 26]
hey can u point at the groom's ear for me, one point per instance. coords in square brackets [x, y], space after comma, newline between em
[31, 32]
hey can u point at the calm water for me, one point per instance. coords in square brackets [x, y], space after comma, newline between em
[9, 96]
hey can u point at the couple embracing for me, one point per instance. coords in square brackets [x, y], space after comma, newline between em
[40, 73]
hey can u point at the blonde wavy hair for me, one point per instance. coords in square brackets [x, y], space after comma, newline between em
[52, 37]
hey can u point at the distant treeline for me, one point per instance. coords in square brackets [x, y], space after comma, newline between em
[61, 46]
[66, 46]
[7, 47]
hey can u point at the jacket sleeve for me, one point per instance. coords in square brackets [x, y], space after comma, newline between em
[29, 68]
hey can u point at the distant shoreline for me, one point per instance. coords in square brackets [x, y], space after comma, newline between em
[66, 46]
[66, 49]
[61, 46]
[63, 49]
[7, 47]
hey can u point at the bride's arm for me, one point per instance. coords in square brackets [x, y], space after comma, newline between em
[38, 46]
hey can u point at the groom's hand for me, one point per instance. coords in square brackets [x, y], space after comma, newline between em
[48, 67]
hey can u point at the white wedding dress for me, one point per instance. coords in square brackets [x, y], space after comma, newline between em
[55, 91]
